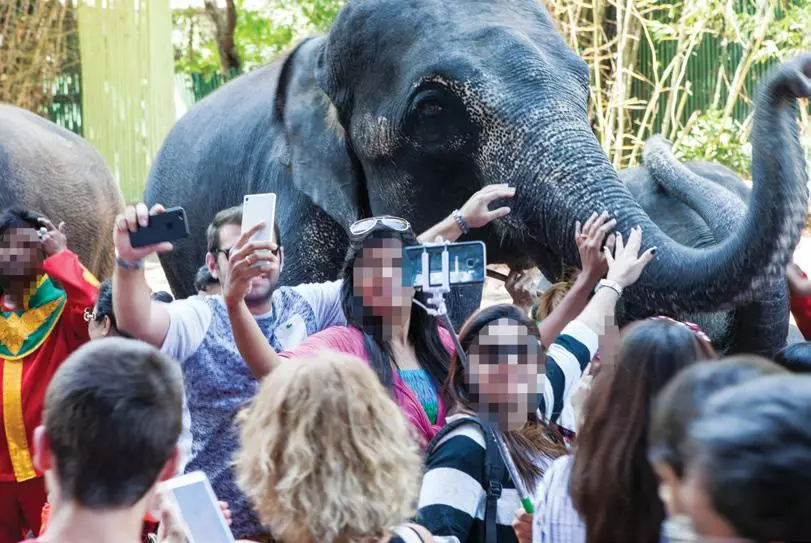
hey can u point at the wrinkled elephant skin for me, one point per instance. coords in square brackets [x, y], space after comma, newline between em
[408, 107]
[52, 171]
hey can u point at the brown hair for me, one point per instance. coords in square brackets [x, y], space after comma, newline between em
[536, 436]
[613, 486]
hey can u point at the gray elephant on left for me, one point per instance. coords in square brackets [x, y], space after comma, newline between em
[701, 204]
[52, 171]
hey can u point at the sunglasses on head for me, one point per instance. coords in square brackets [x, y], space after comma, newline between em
[364, 226]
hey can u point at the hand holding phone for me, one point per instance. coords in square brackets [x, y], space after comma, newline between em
[170, 225]
[202, 516]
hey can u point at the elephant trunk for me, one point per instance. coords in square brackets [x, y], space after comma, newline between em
[681, 278]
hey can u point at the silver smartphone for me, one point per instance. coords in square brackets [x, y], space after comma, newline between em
[467, 263]
[202, 517]
[257, 208]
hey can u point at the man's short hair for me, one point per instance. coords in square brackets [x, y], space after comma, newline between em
[113, 417]
[15, 217]
[752, 449]
[232, 215]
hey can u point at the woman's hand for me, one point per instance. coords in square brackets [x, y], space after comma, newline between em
[54, 240]
[589, 242]
[476, 211]
[248, 260]
[522, 286]
[523, 526]
[626, 265]
[580, 394]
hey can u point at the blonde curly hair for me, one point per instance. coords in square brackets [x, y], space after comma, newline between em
[326, 453]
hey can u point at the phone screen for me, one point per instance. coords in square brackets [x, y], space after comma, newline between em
[467, 262]
[201, 514]
[257, 208]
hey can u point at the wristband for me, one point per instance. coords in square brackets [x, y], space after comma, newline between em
[128, 265]
[457, 216]
[613, 285]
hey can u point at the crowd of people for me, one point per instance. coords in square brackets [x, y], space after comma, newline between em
[344, 412]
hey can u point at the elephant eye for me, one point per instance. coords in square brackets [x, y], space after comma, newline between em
[431, 117]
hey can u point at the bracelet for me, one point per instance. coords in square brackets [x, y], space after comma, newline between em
[457, 216]
[127, 265]
[613, 285]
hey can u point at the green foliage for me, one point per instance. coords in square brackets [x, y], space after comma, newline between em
[260, 34]
[716, 138]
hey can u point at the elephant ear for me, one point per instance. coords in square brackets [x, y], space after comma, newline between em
[322, 164]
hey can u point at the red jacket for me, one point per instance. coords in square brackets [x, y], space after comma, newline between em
[801, 309]
[25, 381]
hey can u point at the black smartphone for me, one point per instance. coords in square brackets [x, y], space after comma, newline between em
[467, 263]
[167, 226]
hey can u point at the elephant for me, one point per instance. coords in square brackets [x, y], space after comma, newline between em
[50, 170]
[407, 107]
[700, 204]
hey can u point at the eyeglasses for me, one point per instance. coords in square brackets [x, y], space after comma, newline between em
[227, 252]
[89, 315]
[364, 226]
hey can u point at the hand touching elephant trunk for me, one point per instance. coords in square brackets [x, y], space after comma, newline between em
[684, 279]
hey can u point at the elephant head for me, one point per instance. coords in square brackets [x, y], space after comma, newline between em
[421, 102]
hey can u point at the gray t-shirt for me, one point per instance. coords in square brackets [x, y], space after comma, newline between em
[219, 383]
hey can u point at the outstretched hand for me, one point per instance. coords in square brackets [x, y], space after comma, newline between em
[589, 240]
[249, 260]
[626, 265]
[135, 217]
[53, 239]
[476, 211]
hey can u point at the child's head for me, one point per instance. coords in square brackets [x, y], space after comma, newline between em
[679, 403]
[111, 423]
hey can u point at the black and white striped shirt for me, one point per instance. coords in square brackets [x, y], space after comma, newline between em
[453, 494]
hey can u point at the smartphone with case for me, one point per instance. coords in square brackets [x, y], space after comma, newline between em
[202, 517]
[257, 208]
[467, 263]
[170, 225]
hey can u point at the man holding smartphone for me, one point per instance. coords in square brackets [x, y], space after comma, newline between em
[197, 331]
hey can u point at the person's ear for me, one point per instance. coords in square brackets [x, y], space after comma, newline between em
[211, 263]
[43, 456]
[170, 468]
[107, 323]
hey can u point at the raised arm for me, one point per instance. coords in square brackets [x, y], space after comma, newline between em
[251, 342]
[589, 242]
[135, 311]
[624, 268]
[474, 214]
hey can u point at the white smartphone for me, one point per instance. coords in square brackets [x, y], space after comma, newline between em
[257, 208]
[202, 518]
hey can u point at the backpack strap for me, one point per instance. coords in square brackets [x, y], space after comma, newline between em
[494, 471]
[493, 474]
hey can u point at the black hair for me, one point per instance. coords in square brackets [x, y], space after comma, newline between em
[796, 358]
[112, 417]
[203, 278]
[104, 307]
[163, 296]
[681, 401]
[751, 448]
[15, 217]
[423, 331]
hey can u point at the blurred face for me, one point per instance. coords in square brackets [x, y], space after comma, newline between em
[378, 279]
[21, 254]
[669, 489]
[261, 287]
[506, 364]
[707, 522]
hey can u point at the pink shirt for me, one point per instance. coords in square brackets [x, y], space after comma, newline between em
[349, 340]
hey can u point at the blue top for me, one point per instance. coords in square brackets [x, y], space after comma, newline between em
[421, 385]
